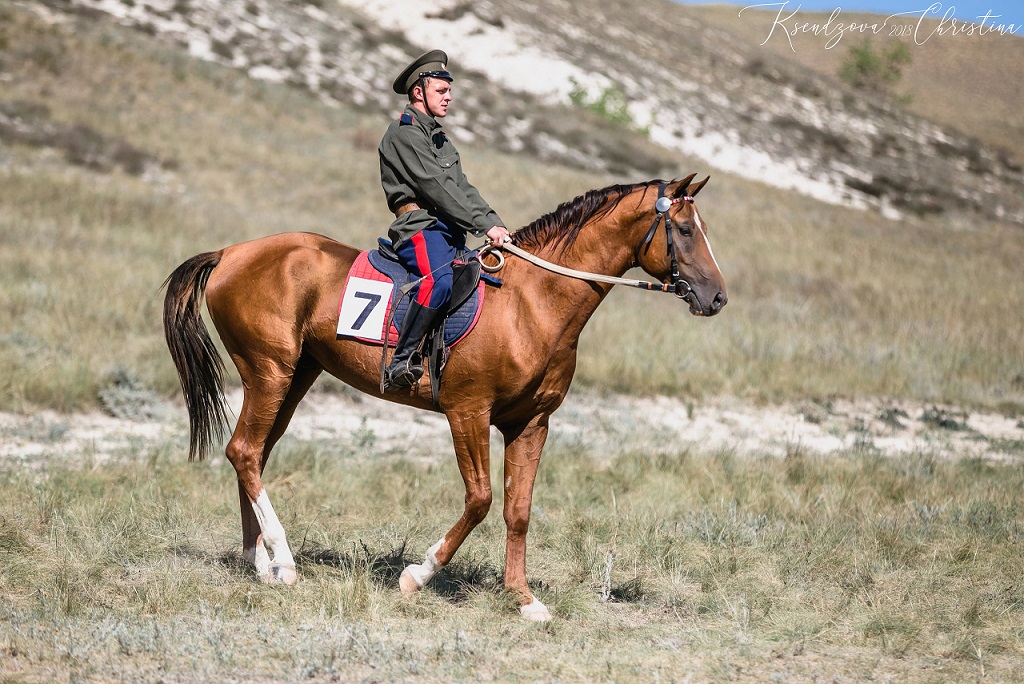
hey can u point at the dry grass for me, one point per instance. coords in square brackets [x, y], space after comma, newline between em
[824, 301]
[720, 566]
[717, 567]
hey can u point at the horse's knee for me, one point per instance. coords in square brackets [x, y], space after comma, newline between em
[517, 524]
[477, 506]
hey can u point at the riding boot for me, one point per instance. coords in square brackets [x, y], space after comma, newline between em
[406, 365]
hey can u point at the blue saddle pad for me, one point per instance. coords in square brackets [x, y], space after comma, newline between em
[456, 324]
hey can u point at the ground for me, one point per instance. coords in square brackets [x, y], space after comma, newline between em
[587, 418]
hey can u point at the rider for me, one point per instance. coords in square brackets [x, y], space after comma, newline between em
[434, 205]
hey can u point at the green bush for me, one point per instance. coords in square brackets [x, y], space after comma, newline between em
[611, 105]
[866, 68]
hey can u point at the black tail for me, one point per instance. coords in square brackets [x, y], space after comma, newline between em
[200, 368]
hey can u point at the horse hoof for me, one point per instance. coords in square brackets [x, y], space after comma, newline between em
[281, 573]
[408, 584]
[535, 611]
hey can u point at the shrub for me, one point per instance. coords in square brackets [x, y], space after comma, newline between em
[866, 68]
[611, 105]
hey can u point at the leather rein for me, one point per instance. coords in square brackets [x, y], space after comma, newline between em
[678, 286]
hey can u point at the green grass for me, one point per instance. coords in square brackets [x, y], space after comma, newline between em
[718, 566]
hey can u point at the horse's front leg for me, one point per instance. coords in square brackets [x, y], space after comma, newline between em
[523, 446]
[471, 434]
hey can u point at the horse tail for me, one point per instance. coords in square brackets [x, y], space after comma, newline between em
[200, 368]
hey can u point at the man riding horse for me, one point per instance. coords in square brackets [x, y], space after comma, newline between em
[434, 205]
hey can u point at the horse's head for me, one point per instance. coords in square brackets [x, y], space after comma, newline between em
[676, 250]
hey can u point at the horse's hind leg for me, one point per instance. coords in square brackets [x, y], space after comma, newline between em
[266, 394]
[472, 450]
[253, 549]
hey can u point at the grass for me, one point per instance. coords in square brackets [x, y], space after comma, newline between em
[717, 566]
[824, 301]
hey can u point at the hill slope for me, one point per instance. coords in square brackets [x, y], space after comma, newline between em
[122, 155]
[692, 86]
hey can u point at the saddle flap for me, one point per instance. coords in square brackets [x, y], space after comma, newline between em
[465, 279]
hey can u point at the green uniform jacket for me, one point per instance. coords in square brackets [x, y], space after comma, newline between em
[418, 163]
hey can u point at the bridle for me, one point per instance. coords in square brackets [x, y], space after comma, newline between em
[662, 206]
[679, 286]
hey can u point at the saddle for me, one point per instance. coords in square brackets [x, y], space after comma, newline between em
[375, 301]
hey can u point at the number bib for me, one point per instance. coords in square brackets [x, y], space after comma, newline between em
[364, 308]
[366, 303]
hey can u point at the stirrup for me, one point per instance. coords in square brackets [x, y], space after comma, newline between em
[405, 375]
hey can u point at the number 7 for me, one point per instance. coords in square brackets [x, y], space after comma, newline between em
[372, 301]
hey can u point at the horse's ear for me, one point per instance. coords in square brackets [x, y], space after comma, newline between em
[680, 190]
[694, 189]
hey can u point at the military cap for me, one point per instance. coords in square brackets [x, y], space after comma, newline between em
[433, 64]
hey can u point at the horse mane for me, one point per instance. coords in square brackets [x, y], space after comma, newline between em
[561, 227]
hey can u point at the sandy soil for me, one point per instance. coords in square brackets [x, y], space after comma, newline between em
[603, 425]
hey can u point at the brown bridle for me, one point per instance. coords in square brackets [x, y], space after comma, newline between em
[681, 288]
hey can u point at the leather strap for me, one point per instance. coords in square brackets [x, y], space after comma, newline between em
[406, 208]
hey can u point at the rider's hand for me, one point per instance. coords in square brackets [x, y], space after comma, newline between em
[498, 235]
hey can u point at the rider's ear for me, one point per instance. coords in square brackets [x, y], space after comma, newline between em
[694, 189]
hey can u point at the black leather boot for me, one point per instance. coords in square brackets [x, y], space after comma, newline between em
[406, 365]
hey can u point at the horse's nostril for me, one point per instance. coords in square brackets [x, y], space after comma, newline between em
[719, 301]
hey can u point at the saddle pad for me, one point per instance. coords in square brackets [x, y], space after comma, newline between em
[369, 295]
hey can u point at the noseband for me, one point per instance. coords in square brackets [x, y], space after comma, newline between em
[662, 206]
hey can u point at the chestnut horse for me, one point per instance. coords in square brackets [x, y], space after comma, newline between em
[274, 302]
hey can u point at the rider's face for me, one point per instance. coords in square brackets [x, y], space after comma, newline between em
[438, 93]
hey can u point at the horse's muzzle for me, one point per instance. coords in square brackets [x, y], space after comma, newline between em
[698, 309]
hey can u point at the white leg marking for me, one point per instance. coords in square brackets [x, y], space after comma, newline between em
[415, 577]
[535, 611]
[258, 556]
[282, 567]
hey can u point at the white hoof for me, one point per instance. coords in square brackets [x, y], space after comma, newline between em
[415, 577]
[535, 611]
[411, 580]
[280, 573]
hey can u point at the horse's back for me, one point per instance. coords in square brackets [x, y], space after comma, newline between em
[278, 281]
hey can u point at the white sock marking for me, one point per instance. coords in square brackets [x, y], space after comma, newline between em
[535, 611]
[258, 556]
[423, 573]
[273, 532]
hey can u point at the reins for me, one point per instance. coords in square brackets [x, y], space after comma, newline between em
[678, 286]
[565, 271]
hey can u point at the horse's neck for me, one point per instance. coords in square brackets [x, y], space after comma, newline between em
[603, 247]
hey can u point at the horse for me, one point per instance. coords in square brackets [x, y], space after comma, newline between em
[274, 304]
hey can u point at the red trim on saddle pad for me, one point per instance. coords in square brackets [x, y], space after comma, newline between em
[362, 268]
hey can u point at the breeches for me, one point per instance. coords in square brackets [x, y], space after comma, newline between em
[429, 254]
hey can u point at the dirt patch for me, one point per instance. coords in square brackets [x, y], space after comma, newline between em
[602, 425]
